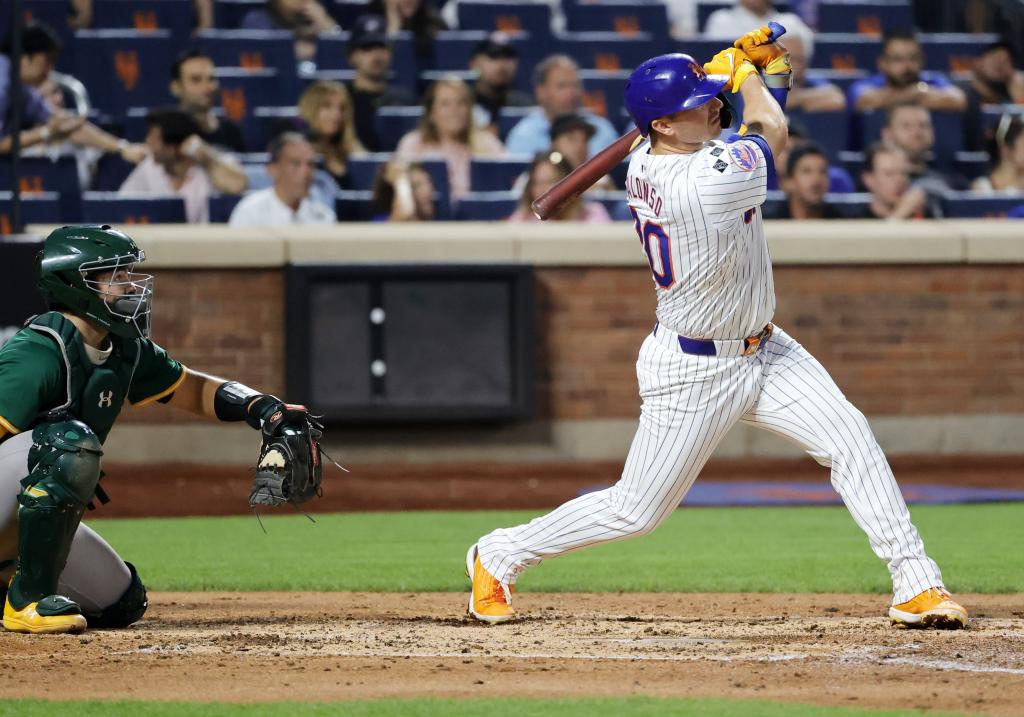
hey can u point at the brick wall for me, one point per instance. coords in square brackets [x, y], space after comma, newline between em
[899, 340]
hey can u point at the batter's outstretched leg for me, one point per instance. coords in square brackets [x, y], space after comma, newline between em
[800, 401]
[689, 404]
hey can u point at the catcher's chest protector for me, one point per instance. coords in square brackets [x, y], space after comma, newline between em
[95, 394]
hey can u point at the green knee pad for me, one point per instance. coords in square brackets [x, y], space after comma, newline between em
[65, 467]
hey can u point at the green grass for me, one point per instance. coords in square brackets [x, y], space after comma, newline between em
[625, 707]
[738, 549]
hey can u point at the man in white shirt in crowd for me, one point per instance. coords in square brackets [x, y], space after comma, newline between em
[181, 163]
[292, 164]
[730, 23]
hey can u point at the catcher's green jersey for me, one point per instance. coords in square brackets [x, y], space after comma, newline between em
[45, 367]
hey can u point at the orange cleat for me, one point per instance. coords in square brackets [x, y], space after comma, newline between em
[491, 599]
[934, 608]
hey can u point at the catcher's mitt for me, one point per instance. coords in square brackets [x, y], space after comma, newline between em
[290, 469]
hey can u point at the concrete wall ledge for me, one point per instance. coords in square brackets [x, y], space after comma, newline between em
[565, 244]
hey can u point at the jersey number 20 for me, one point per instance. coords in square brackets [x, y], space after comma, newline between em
[664, 272]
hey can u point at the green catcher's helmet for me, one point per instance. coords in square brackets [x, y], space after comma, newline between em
[69, 264]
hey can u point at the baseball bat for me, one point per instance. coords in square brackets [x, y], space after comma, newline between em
[584, 176]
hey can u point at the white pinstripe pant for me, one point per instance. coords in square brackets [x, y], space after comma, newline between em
[689, 404]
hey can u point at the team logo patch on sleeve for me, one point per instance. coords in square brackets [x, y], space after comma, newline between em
[743, 156]
[720, 166]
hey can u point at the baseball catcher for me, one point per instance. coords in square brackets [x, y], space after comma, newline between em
[63, 381]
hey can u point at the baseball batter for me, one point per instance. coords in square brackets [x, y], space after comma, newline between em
[714, 358]
[63, 381]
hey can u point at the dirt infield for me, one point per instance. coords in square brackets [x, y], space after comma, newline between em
[820, 649]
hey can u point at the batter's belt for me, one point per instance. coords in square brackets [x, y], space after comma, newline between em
[708, 347]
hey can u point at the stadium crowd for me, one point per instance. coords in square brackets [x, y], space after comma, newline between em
[263, 112]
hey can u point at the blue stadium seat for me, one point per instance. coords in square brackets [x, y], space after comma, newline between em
[353, 206]
[853, 162]
[133, 124]
[953, 52]
[948, 127]
[111, 171]
[849, 205]
[254, 50]
[486, 206]
[55, 14]
[124, 68]
[453, 51]
[221, 206]
[265, 123]
[971, 165]
[867, 18]
[41, 208]
[145, 15]
[392, 123]
[332, 52]
[624, 18]
[608, 51]
[603, 91]
[495, 174]
[970, 205]
[699, 49]
[241, 89]
[840, 51]
[706, 7]
[40, 174]
[228, 14]
[829, 129]
[508, 117]
[841, 78]
[345, 12]
[534, 18]
[108, 208]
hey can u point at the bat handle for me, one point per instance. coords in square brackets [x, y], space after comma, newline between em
[777, 31]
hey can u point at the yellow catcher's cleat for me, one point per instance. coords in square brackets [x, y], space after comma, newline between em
[933, 608]
[52, 614]
[491, 599]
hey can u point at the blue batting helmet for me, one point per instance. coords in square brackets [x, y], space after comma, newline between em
[667, 84]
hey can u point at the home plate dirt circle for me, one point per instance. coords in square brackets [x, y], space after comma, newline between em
[823, 649]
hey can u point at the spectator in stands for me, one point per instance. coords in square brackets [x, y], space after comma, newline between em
[995, 81]
[369, 54]
[1008, 157]
[546, 170]
[901, 79]
[416, 16]
[450, 13]
[195, 86]
[909, 127]
[40, 124]
[181, 163]
[402, 192]
[839, 180]
[559, 91]
[805, 184]
[292, 164]
[304, 18]
[809, 94]
[886, 175]
[569, 137]
[496, 63]
[326, 109]
[730, 23]
[81, 14]
[446, 130]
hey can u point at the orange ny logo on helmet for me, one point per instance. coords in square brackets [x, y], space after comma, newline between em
[126, 65]
[698, 71]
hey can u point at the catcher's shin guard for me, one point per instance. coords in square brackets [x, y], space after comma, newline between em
[65, 468]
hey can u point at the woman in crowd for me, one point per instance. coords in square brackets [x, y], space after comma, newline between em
[402, 192]
[326, 110]
[447, 131]
[545, 171]
[1008, 157]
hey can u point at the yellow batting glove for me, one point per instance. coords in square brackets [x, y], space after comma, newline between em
[761, 50]
[733, 62]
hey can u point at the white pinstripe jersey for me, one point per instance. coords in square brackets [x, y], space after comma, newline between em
[700, 225]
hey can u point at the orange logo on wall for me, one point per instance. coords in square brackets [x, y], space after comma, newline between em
[508, 23]
[5, 225]
[596, 102]
[250, 60]
[869, 25]
[146, 20]
[233, 101]
[141, 219]
[843, 62]
[627, 25]
[961, 63]
[32, 184]
[126, 65]
[607, 61]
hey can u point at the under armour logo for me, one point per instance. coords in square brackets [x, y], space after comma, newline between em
[106, 399]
